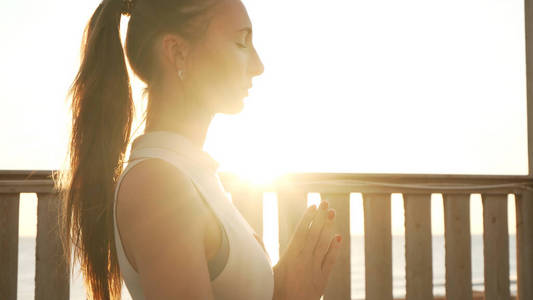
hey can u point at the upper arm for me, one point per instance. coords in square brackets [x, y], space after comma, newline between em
[163, 224]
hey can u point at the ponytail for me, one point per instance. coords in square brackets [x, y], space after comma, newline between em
[102, 113]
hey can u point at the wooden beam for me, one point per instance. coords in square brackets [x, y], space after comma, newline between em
[38, 181]
[295, 177]
[26, 186]
[496, 247]
[9, 238]
[524, 244]
[51, 269]
[528, 18]
[339, 283]
[392, 183]
[524, 200]
[458, 246]
[378, 246]
[418, 253]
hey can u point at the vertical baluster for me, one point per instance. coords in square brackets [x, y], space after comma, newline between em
[524, 244]
[496, 247]
[418, 255]
[9, 237]
[339, 282]
[51, 269]
[378, 246]
[458, 251]
[249, 201]
[524, 201]
[291, 206]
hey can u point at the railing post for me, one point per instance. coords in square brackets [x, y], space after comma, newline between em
[458, 248]
[524, 244]
[524, 201]
[9, 237]
[51, 269]
[339, 283]
[291, 207]
[378, 246]
[496, 247]
[418, 255]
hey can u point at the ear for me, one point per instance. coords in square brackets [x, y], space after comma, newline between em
[175, 50]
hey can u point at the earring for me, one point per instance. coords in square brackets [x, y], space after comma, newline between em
[180, 74]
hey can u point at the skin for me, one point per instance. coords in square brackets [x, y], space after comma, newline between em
[217, 74]
[167, 231]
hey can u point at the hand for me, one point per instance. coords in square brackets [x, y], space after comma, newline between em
[303, 270]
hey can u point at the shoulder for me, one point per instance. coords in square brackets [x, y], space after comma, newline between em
[153, 173]
[153, 182]
[155, 200]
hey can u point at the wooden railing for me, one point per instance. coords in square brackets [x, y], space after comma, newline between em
[51, 277]
[51, 271]
[416, 189]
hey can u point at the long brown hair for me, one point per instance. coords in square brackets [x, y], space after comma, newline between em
[102, 113]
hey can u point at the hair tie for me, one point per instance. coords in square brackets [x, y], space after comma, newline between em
[127, 6]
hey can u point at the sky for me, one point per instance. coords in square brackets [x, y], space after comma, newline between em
[381, 86]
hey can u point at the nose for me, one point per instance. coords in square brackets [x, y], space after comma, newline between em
[256, 65]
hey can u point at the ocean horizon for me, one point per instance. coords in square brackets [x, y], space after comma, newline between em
[26, 268]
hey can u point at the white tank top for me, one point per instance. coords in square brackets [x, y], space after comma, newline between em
[247, 273]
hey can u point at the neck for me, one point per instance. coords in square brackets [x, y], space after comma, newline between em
[166, 114]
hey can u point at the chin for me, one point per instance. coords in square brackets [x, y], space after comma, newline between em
[233, 107]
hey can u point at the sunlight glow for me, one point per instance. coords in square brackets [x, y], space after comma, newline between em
[28, 214]
[313, 198]
[357, 226]
[375, 98]
[270, 226]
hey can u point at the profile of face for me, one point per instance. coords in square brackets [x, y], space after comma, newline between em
[218, 69]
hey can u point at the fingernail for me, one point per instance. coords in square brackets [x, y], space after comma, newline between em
[323, 205]
[338, 238]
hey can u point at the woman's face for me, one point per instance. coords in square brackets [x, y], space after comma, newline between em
[220, 67]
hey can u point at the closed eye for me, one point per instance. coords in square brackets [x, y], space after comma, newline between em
[241, 45]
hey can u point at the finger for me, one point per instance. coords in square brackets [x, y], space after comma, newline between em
[299, 236]
[324, 242]
[316, 228]
[326, 235]
[331, 256]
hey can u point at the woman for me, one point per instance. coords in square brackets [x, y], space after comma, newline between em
[164, 224]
